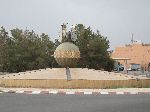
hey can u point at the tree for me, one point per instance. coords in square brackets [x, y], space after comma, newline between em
[25, 50]
[4, 45]
[93, 48]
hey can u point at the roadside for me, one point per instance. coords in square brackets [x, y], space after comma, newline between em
[76, 91]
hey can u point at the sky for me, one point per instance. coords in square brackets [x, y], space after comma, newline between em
[115, 19]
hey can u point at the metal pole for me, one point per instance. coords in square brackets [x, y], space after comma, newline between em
[68, 74]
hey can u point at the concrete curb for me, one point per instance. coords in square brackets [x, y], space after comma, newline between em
[73, 93]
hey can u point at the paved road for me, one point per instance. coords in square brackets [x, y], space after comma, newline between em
[74, 103]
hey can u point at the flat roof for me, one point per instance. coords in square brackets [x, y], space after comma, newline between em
[121, 58]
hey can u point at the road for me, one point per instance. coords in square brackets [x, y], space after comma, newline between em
[10, 102]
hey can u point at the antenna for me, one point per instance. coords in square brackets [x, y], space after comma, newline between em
[132, 40]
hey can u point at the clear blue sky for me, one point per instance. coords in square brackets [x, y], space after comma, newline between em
[116, 19]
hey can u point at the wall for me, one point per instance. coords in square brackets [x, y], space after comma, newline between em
[74, 84]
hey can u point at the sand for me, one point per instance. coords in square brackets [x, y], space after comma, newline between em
[76, 73]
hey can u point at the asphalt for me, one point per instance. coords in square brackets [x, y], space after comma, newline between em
[74, 103]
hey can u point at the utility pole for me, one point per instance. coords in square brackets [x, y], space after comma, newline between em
[132, 40]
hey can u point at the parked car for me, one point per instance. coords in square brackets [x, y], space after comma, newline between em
[135, 67]
[119, 68]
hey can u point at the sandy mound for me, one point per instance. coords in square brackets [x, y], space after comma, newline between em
[76, 73]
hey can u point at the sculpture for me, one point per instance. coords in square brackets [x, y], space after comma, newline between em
[67, 53]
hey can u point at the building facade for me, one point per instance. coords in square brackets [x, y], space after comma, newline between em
[137, 53]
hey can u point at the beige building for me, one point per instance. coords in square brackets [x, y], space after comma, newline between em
[136, 53]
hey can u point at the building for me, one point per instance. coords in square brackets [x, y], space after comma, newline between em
[137, 53]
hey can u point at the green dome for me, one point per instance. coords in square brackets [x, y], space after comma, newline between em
[67, 54]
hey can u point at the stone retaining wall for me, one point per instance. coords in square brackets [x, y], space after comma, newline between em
[74, 84]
